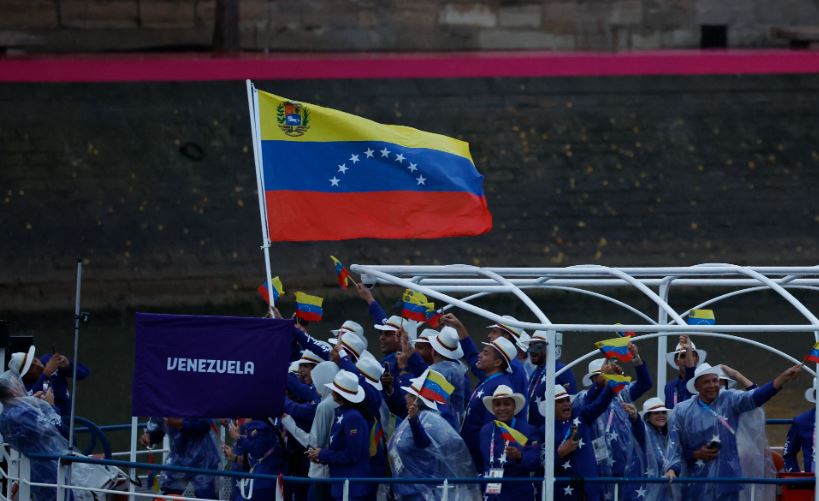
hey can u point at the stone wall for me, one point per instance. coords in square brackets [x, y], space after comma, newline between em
[154, 185]
[418, 25]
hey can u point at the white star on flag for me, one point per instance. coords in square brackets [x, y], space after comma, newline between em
[354, 159]
[399, 157]
[412, 167]
[343, 168]
[567, 491]
[421, 180]
[334, 181]
[385, 152]
[369, 152]
[641, 493]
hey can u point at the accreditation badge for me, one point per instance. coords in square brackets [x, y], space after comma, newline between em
[495, 487]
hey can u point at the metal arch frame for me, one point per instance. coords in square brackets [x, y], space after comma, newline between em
[427, 279]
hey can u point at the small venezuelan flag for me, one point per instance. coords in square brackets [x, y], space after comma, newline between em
[309, 307]
[616, 382]
[416, 306]
[701, 317]
[434, 318]
[625, 333]
[436, 388]
[615, 348]
[813, 354]
[510, 434]
[417, 312]
[341, 272]
[376, 434]
[278, 290]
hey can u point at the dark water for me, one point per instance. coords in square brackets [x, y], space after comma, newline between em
[107, 342]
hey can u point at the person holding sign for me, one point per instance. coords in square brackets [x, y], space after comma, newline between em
[502, 446]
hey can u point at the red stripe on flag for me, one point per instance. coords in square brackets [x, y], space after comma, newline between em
[298, 216]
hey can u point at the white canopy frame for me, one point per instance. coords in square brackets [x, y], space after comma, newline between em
[438, 282]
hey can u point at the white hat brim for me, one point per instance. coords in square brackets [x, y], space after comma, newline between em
[29, 361]
[656, 409]
[520, 402]
[587, 378]
[502, 354]
[541, 406]
[358, 397]
[375, 384]
[690, 384]
[429, 403]
[385, 327]
[456, 354]
[670, 356]
[810, 396]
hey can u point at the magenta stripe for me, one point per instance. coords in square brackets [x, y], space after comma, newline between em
[190, 67]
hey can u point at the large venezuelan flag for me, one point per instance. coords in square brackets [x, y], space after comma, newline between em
[329, 175]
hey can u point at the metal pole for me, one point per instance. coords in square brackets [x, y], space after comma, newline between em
[132, 472]
[662, 341]
[549, 419]
[74, 362]
[256, 133]
[24, 490]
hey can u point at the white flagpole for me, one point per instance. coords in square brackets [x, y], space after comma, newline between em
[256, 133]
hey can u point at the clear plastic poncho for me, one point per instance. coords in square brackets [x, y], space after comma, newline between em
[754, 455]
[446, 456]
[657, 463]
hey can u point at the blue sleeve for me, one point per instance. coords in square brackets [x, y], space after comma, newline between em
[82, 371]
[377, 313]
[590, 411]
[792, 445]
[308, 342]
[567, 381]
[752, 387]
[354, 451]
[419, 435]
[643, 383]
[530, 454]
[669, 394]
[638, 429]
[416, 364]
[156, 434]
[471, 355]
[344, 363]
[300, 411]
[764, 393]
[302, 392]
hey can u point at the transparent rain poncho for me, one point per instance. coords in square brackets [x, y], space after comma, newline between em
[29, 424]
[754, 455]
[657, 454]
[445, 456]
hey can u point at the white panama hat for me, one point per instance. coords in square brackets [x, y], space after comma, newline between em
[560, 393]
[595, 366]
[703, 369]
[394, 323]
[348, 326]
[672, 355]
[424, 337]
[503, 391]
[653, 404]
[352, 343]
[447, 343]
[20, 362]
[810, 394]
[371, 369]
[308, 357]
[515, 332]
[346, 385]
[506, 349]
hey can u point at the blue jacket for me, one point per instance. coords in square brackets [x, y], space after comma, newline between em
[537, 388]
[348, 452]
[477, 415]
[60, 384]
[676, 391]
[491, 441]
[581, 462]
[264, 451]
[518, 378]
[800, 437]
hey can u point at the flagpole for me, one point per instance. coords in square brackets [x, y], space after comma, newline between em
[255, 130]
[77, 321]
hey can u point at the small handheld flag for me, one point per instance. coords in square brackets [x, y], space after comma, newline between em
[616, 382]
[701, 317]
[376, 434]
[436, 388]
[278, 290]
[615, 348]
[625, 333]
[813, 354]
[510, 434]
[309, 307]
[342, 273]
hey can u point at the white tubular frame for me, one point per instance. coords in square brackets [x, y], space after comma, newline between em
[471, 282]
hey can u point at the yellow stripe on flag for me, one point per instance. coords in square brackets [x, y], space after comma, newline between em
[327, 125]
[277, 284]
[440, 380]
[613, 342]
[518, 436]
[304, 298]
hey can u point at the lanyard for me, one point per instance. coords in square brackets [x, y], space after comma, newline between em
[535, 379]
[608, 423]
[480, 386]
[719, 417]
[492, 448]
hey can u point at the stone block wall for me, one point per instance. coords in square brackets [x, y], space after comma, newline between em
[154, 184]
[417, 25]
